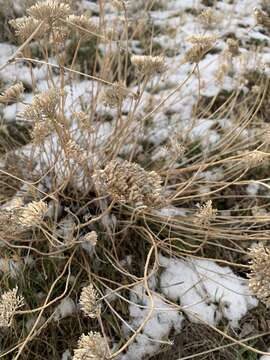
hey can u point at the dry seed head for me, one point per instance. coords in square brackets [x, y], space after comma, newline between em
[12, 94]
[91, 347]
[233, 47]
[204, 40]
[10, 301]
[259, 277]
[119, 5]
[89, 302]
[129, 182]
[149, 65]
[261, 18]
[25, 26]
[32, 214]
[206, 213]
[40, 131]
[59, 35]
[83, 23]
[175, 148]
[91, 238]
[114, 95]
[49, 11]
[208, 18]
[43, 107]
[73, 151]
[222, 71]
[254, 159]
[83, 120]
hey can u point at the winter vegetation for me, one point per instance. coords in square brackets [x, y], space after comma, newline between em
[134, 179]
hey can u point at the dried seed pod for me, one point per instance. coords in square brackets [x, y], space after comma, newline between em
[12, 94]
[89, 302]
[148, 65]
[10, 301]
[91, 346]
[259, 277]
[130, 183]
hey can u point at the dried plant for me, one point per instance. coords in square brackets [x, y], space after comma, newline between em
[32, 214]
[202, 44]
[89, 301]
[259, 277]
[129, 182]
[49, 11]
[12, 94]
[44, 106]
[114, 95]
[91, 346]
[91, 238]
[10, 302]
[233, 47]
[149, 65]
[209, 18]
[206, 213]
[83, 23]
[254, 159]
[25, 26]
[262, 18]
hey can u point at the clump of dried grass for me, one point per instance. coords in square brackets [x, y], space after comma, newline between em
[62, 242]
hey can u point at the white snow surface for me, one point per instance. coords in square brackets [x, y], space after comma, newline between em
[206, 290]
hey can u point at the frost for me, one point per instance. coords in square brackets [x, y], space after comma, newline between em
[66, 308]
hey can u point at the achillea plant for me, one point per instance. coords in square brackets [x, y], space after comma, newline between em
[206, 213]
[10, 301]
[49, 11]
[26, 26]
[32, 214]
[91, 238]
[89, 301]
[259, 277]
[91, 346]
[84, 25]
[130, 183]
[148, 65]
[114, 95]
[44, 106]
[262, 18]
[201, 45]
[13, 94]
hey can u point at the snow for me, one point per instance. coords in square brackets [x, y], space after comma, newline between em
[163, 320]
[206, 290]
[66, 308]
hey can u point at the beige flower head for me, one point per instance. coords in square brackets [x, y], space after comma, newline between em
[89, 301]
[12, 94]
[206, 213]
[129, 182]
[32, 214]
[10, 301]
[259, 277]
[148, 65]
[49, 11]
[91, 347]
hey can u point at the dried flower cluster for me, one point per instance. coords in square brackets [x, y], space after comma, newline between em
[233, 47]
[262, 18]
[254, 159]
[12, 94]
[208, 18]
[89, 301]
[74, 151]
[175, 148]
[25, 26]
[114, 95]
[129, 182]
[32, 214]
[206, 213]
[201, 45]
[49, 11]
[10, 301]
[91, 238]
[44, 106]
[84, 25]
[91, 347]
[148, 65]
[259, 277]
